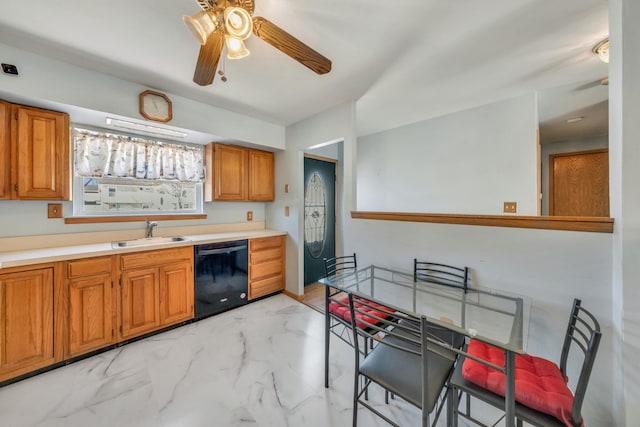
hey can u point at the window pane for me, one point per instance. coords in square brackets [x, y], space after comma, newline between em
[109, 196]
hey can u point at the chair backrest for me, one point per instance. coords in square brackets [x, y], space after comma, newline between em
[404, 331]
[333, 266]
[441, 274]
[583, 331]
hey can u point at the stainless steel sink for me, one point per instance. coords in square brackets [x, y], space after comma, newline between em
[146, 241]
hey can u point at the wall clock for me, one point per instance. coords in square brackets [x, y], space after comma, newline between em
[155, 106]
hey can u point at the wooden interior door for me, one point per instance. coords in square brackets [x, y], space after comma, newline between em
[579, 184]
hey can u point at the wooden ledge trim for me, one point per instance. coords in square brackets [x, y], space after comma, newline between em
[569, 223]
[132, 218]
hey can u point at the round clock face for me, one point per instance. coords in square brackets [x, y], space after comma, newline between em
[155, 106]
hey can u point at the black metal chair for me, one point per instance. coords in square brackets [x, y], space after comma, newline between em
[335, 298]
[583, 330]
[441, 274]
[444, 275]
[412, 359]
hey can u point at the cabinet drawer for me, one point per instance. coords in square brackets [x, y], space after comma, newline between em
[161, 256]
[88, 267]
[265, 243]
[265, 287]
[266, 255]
[266, 269]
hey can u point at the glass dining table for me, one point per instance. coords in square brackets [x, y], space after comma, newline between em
[495, 317]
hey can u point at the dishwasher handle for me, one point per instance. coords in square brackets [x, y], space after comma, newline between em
[202, 252]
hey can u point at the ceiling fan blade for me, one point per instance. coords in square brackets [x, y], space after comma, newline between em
[291, 46]
[208, 59]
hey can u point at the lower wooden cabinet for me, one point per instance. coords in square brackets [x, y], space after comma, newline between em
[26, 321]
[92, 304]
[266, 266]
[140, 297]
[156, 290]
[176, 293]
[57, 311]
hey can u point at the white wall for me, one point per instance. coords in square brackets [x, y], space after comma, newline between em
[336, 124]
[46, 79]
[29, 218]
[585, 144]
[466, 162]
[624, 173]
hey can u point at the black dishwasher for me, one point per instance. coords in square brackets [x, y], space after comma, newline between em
[221, 280]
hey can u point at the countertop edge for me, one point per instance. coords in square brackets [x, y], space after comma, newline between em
[65, 253]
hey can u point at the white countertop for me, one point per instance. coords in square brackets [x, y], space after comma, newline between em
[63, 253]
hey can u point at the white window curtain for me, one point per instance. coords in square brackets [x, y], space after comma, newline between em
[107, 155]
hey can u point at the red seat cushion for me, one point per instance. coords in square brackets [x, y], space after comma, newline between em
[539, 382]
[362, 320]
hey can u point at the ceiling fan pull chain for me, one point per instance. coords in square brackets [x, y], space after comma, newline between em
[223, 77]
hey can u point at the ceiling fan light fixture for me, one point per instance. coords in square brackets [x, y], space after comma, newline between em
[238, 23]
[236, 48]
[201, 25]
[602, 50]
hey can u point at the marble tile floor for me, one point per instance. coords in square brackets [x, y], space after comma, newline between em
[259, 365]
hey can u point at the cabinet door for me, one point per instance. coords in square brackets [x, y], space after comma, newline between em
[42, 163]
[26, 321]
[261, 176]
[176, 293]
[5, 159]
[229, 172]
[90, 313]
[140, 299]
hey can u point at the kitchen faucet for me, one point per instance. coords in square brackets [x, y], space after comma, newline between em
[150, 226]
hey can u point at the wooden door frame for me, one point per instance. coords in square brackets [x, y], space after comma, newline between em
[551, 170]
[335, 195]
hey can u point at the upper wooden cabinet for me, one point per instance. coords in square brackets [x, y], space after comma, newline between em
[239, 174]
[41, 154]
[5, 155]
[34, 153]
[261, 176]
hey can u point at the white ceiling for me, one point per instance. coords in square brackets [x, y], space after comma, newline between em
[403, 61]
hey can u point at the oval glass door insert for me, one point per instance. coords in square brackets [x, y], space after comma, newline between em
[315, 222]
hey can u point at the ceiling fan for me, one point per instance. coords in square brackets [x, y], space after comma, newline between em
[230, 22]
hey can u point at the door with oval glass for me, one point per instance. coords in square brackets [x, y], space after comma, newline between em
[319, 216]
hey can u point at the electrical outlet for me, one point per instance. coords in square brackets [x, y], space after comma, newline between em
[249, 216]
[54, 210]
[510, 207]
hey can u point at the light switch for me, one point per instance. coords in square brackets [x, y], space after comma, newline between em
[286, 188]
[286, 211]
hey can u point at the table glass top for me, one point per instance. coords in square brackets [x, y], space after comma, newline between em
[498, 317]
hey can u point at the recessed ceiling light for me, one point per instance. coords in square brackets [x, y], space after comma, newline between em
[574, 119]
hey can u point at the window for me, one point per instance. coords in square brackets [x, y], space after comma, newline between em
[123, 175]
